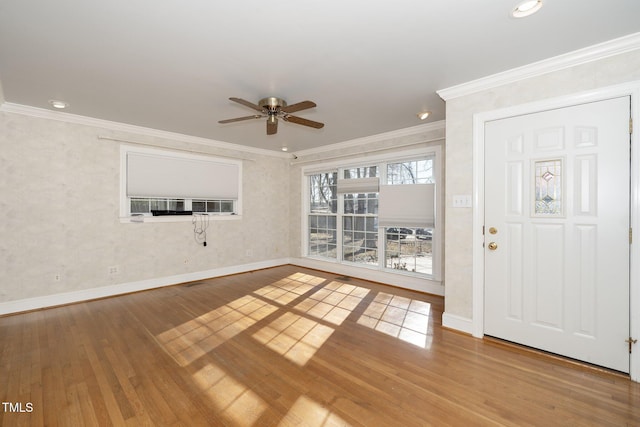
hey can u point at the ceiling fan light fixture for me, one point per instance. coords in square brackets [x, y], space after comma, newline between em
[526, 8]
[60, 105]
[423, 115]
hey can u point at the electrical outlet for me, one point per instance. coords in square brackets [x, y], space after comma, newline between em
[57, 277]
[113, 270]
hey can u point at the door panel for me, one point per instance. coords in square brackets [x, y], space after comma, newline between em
[557, 197]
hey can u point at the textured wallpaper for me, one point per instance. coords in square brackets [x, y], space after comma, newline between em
[60, 205]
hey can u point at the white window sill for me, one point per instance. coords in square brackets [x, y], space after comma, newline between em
[394, 278]
[377, 268]
[173, 218]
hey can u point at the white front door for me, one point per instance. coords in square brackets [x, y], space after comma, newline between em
[557, 231]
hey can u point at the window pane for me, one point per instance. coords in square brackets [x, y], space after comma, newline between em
[323, 192]
[213, 206]
[322, 236]
[409, 249]
[199, 206]
[359, 245]
[226, 206]
[175, 205]
[361, 204]
[332, 222]
[361, 172]
[158, 204]
[140, 206]
[548, 191]
[411, 172]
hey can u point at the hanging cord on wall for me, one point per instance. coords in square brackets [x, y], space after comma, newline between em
[200, 224]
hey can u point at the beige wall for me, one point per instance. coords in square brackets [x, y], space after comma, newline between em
[60, 204]
[459, 144]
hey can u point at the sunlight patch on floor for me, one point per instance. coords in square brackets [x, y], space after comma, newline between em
[307, 278]
[193, 339]
[308, 412]
[288, 289]
[399, 317]
[334, 302]
[294, 337]
[234, 400]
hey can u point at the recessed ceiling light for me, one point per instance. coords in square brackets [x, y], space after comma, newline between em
[285, 149]
[526, 8]
[423, 115]
[60, 105]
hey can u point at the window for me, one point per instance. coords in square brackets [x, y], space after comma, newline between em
[145, 206]
[408, 215]
[379, 215]
[411, 172]
[323, 208]
[213, 206]
[409, 249]
[359, 188]
[161, 180]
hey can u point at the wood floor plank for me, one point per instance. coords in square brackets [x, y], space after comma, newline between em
[287, 346]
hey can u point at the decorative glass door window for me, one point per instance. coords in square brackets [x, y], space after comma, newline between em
[549, 181]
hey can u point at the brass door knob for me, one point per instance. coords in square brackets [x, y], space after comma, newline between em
[493, 246]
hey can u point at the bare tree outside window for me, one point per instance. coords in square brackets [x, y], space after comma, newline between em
[411, 172]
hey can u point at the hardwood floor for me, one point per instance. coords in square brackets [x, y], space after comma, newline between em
[285, 346]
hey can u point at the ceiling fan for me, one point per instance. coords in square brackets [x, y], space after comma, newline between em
[273, 109]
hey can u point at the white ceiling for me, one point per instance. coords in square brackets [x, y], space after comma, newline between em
[369, 65]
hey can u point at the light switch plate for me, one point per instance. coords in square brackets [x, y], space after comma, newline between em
[462, 201]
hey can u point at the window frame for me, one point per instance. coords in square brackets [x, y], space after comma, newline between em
[125, 214]
[381, 161]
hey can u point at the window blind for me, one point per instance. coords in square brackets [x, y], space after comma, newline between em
[359, 185]
[150, 175]
[407, 206]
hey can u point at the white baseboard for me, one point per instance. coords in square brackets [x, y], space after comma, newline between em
[125, 288]
[459, 323]
[398, 280]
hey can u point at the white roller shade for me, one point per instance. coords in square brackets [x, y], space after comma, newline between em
[407, 206]
[151, 175]
[358, 185]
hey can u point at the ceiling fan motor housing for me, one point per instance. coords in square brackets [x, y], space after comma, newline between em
[272, 104]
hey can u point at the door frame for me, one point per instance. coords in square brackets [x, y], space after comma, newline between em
[631, 89]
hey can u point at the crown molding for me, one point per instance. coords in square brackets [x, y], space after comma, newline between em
[400, 133]
[8, 107]
[596, 52]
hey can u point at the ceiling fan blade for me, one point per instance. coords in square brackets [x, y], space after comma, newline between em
[246, 103]
[304, 122]
[297, 107]
[239, 119]
[272, 125]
